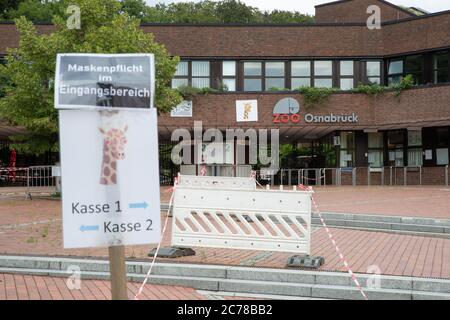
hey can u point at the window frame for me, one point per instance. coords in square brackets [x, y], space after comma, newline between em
[366, 76]
[228, 77]
[349, 150]
[310, 77]
[436, 69]
[189, 76]
[315, 77]
[346, 77]
[375, 149]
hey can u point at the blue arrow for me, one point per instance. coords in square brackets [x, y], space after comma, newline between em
[140, 205]
[89, 228]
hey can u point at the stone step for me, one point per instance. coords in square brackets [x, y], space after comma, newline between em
[252, 287]
[138, 269]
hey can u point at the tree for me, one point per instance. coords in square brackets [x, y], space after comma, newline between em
[7, 5]
[37, 10]
[30, 68]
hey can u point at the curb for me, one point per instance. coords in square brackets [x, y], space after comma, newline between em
[240, 280]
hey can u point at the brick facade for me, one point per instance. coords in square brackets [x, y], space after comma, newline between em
[355, 11]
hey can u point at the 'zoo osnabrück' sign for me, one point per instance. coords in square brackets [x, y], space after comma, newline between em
[102, 81]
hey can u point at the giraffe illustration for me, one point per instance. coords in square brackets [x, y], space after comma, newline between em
[114, 141]
[247, 110]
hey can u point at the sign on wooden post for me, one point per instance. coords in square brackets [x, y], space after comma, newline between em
[109, 154]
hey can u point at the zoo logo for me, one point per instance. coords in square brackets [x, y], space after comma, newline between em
[286, 110]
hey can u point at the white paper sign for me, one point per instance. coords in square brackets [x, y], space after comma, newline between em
[110, 178]
[183, 110]
[246, 110]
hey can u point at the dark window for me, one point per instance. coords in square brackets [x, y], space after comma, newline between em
[440, 67]
[375, 149]
[192, 73]
[347, 154]
[415, 153]
[442, 145]
[395, 71]
[414, 65]
[395, 148]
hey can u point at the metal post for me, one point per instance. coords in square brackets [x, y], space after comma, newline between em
[289, 177]
[420, 170]
[354, 176]
[382, 176]
[405, 174]
[446, 175]
[368, 176]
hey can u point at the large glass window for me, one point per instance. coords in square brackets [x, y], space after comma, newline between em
[181, 75]
[415, 153]
[440, 67]
[347, 153]
[252, 76]
[200, 74]
[274, 75]
[229, 75]
[373, 72]
[395, 148]
[414, 65]
[375, 149]
[347, 81]
[192, 73]
[442, 145]
[323, 74]
[395, 71]
[300, 74]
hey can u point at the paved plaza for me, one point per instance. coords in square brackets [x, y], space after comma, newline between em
[34, 227]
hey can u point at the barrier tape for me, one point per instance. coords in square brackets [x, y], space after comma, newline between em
[330, 236]
[141, 289]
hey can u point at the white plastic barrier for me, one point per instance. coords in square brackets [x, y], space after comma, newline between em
[242, 219]
[217, 182]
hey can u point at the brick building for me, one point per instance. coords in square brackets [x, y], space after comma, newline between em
[407, 135]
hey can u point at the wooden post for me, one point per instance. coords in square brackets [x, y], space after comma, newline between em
[117, 269]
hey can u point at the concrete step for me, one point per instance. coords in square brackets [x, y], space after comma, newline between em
[418, 226]
[282, 282]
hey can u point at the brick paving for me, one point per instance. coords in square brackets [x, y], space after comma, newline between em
[27, 287]
[40, 229]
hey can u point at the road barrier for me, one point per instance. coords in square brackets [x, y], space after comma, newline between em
[242, 219]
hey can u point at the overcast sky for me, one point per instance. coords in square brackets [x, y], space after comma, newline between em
[307, 6]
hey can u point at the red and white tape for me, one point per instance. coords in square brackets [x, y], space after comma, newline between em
[141, 289]
[330, 236]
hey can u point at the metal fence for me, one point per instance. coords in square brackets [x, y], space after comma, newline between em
[354, 176]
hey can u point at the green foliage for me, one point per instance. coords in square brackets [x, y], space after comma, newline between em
[406, 83]
[314, 95]
[188, 92]
[275, 89]
[8, 5]
[372, 89]
[207, 11]
[30, 67]
[37, 10]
